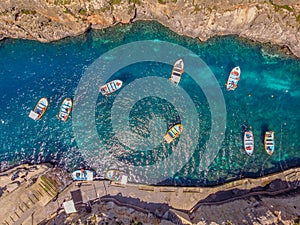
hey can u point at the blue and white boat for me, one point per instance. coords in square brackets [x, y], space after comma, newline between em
[116, 176]
[65, 109]
[111, 87]
[173, 133]
[83, 175]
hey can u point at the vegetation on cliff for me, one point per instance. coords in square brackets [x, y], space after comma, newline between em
[272, 21]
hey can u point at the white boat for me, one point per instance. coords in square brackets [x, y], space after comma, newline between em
[233, 79]
[111, 87]
[83, 175]
[39, 109]
[269, 142]
[65, 109]
[248, 142]
[177, 72]
[116, 176]
[173, 133]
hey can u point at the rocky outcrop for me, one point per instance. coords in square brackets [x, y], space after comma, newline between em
[264, 22]
[275, 21]
[253, 210]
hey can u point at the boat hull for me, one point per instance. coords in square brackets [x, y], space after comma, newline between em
[83, 175]
[173, 133]
[110, 87]
[39, 109]
[116, 176]
[177, 72]
[249, 142]
[65, 109]
[269, 142]
[233, 79]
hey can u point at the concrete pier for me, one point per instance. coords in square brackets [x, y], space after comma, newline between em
[35, 197]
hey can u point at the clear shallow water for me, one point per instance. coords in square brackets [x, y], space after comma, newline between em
[268, 97]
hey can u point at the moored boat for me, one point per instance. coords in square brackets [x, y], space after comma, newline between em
[173, 133]
[269, 142]
[111, 87]
[39, 109]
[65, 109]
[248, 142]
[177, 72]
[83, 175]
[116, 176]
[233, 79]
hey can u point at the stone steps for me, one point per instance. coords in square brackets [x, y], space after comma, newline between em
[46, 186]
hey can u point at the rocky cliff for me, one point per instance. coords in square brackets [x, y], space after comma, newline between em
[283, 209]
[276, 21]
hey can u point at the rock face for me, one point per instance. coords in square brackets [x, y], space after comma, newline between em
[282, 209]
[274, 21]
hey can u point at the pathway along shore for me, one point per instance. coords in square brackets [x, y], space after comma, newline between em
[271, 21]
[36, 193]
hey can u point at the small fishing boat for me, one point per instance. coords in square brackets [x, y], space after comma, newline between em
[173, 133]
[82, 175]
[116, 176]
[269, 142]
[248, 142]
[111, 87]
[233, 79]
[39, 109]
[177, 72]
[65, 109]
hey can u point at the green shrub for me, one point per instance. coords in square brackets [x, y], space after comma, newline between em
[115, 2]
[82, 12]
[287, 8]
[28, 12]
[62, 2]
[138, 2]
[162, 2]
[197, 8]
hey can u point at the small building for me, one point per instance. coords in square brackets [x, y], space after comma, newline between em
[69, 207]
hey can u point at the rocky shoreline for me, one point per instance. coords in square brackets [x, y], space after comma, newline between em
[35, 194]
[276, 21]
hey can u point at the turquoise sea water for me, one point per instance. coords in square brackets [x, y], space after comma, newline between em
[268, 97]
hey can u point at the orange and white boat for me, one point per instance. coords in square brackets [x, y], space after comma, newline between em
[269, 142]
[39, 109]
[111, 87]
[233, 79]
[248, 142]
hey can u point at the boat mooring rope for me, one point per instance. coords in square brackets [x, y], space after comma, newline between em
[241, 176]
[263, 165]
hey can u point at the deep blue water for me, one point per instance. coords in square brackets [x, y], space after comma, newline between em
[267, 97]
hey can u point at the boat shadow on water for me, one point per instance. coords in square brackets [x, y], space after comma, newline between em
[263, 128]
[245, 127]
[171, 123]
